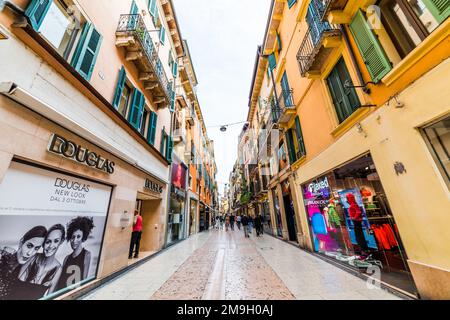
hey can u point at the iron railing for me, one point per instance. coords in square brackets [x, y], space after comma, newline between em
[285, 101]
[317, 30]
[133, 24]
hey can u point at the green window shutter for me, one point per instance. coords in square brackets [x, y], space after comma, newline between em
[291, 3]
[134, 8]
[291, 146]
[162, 34]
[151, 135]
[288, 100]
[175, 69]
[272, 61]
[169, 148]
[133, 20]
[152, 7]
[371, 50]
[137, 109]
[299, 134]
[440, 9]
[87, 51]
[119, 87]
[36, 11]
[279, 42]
[345, 100]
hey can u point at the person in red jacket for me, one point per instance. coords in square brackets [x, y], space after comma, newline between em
[136, 235]
[356, 216]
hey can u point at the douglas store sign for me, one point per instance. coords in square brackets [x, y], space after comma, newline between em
[70, 150]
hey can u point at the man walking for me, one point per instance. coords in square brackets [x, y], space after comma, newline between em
[232, 222]
[258, 225]
[238, 221]
[136, 235]
[244, 221]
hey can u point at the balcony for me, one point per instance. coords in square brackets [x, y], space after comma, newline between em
[319, 41]
[284, 109]
[133, 35]
[332, 6]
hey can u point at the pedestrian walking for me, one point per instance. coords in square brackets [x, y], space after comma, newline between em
[221, 221]
[258, 225]
[244, 221]
[238, 221]
[217, 225]
[250, 224]
[227, 222]
[232, 222]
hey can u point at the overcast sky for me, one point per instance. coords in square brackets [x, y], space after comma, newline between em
[223, 36]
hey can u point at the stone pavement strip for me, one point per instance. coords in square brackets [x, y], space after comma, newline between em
[219, 265]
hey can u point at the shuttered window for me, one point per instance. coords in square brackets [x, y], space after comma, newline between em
[162, 146]
[272, 61]
[279, 42]
[36, 11]
[119, 87]
[172, 100]
[162, 34]
[300, 140]
[373, 54]
[286, 91]
[291, 146]
[87, 51]
[152, 7]
[345, 100]
[169, 148]
[137, 108]
[151, 133]
[440, 9]
[291, 3]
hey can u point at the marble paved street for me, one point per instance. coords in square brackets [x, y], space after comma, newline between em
[219, 265]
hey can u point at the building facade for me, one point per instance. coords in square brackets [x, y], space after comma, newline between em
[355, 93]
[88, 105]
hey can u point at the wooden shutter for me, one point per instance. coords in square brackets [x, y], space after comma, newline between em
[169, 148]
[151, 134]
[286, 91]
[87, 52]
[133, 19]
[291, 3]
[137, 108]
[162, 34]
[372, 52]
[172, 100]
[36, 11]
[163, 140]
[272, 61]
[300, 141]
[119, 87]
[291, 146]
[440, 9]
[345, 99]
[152, 7]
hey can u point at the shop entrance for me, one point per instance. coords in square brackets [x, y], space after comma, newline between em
[289, 211]
[202, 220]
[351, 222]
[192, 216]
[149, 207]
[276, 207]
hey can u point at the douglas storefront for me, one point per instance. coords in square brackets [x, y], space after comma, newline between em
[351, 222]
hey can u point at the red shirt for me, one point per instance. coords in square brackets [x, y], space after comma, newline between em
[138, 225]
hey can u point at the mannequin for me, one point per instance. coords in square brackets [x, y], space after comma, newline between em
[356, 216]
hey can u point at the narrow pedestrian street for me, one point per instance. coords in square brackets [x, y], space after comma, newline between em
[220, 265]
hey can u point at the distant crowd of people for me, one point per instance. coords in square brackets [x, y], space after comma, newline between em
[228, 221]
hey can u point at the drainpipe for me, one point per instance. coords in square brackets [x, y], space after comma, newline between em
[352, 57]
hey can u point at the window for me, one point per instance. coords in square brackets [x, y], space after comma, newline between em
[144, 121]
[286, 91]
[272, 61]
[409, 22]
[122, 96]
[136, 109]
[162, 34]
[438, 140]
[152, 7]
[291, 146]
[345, 99]
[64, 27]
[300, 141]
[291, 3]
[151, 132]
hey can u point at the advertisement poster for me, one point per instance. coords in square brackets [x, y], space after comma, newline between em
[352, 197]
[179, 175]
[51, 230]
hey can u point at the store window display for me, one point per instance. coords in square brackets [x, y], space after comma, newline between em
[351, 222]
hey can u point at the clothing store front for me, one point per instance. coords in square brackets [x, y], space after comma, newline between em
[277, 210]
[177, 213]
[351, 222]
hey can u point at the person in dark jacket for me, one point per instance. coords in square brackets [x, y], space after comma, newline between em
[244, 222]
[258, 225]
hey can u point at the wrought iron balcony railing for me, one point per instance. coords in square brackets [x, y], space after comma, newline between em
[317, 31]
[133, 24]
[285, 102]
